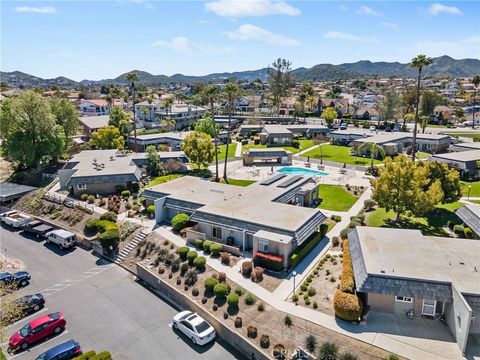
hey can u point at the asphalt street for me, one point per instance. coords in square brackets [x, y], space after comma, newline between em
[104, 307]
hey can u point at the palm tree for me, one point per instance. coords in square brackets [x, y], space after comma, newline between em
[302, 98]
[418, 62]
[232, 91]
[312, 102]
[373, 149]
[132, 77]
[475, 81]
[211, 94]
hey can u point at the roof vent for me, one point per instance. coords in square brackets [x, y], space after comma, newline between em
[382, 271]
[462, 263]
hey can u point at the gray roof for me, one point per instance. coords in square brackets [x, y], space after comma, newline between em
[277, 130]
[9, 190]
[263, 152]
[466, 146]
[470, 214]
[462, 156]
[159, 136]
[94, 122]
[404, 262]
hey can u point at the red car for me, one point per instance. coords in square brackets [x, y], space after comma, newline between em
[37, 330]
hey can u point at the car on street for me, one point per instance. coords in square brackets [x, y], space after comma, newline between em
[64, 351]
[16, 280]
[63, 238]
[38, 228]
[37, 330]
[372, 128]
[22, 307]
[335, 126]
[15, 219]
[343, 126]
[194, 327]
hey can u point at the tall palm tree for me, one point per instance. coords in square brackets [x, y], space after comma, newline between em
[132, 77]
[232, 91]
[211, 94]
[302, 98]
[418, 62]
[373, 149]
[475, 81]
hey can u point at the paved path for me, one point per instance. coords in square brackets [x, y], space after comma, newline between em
[238, 150]
[308, 149]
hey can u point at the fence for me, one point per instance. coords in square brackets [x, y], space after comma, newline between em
[68, 202]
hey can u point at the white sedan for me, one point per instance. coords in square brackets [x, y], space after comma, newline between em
[196, 328]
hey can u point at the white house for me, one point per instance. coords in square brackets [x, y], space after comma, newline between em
[94, 107]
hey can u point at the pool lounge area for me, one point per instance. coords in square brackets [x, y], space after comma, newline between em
[293, 170]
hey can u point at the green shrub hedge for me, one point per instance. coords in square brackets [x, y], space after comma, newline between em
[126, 193]
[86, 356]
[232, 300]
[220, 290]
[180, 221]
[199, 244]
[468, 233]
[182, 251]
[458, 229]
[199, 262]
[210, 283]
[215, 249]
[206, 245]
[191, 255]
[104, 355]
[151, 209]
[110, 216]
[92, 225]
[336, 218]
[109, 238]
[105, 225]
[300, 252]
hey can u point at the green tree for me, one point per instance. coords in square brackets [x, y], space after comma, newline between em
[29, 130]
[107, 138]
[373, 150]
[66, 115]
[418, 62]
[232, 91]
[280, 81]
[449, 179]
[153, 161]
[132, 77]
[389, 107]
[199, 148]
[403, 186]
[211, 94]
[429, 100]
[120, 119]
[207, 126]
[329, 114]
[476, 82]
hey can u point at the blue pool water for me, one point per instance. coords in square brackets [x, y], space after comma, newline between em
[292, 170]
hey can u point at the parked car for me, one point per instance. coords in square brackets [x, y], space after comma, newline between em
[18, 279]
[38, 228]
[195, 327]
[335, 126]
[64, 239]
[15, 219]
[372, 128]
[67, 350]
[343, 126]
[37, 330]
[26, 305]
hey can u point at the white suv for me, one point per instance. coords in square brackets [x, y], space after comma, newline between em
[195, 327]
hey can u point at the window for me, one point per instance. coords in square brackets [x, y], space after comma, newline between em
[217, 232]
[404, 299]
[263, 246]
[82, 186]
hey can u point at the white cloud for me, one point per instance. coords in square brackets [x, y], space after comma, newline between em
[251, 32]
[183, 45]
[365, 10]
[337, 35]
[390, 25]
[237, 8]
[459, 48]
[437, 8]
[38, 10]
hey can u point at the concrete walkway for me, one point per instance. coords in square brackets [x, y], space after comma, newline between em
[308, 149]
[238, 150]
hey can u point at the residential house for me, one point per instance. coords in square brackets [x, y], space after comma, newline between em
[442, 114]
[249, 130]
[93, 107]
[341, 106]
[366, 112]
[464, 146]
[269, 155]
[170, 139]
[276, 135]
[404, 272]
[258, 218]
[470, 215]
[466, 162]
[345, 137]
[93, 123]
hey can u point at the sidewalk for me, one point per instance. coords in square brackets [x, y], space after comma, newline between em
[238, 150]
[308, 149]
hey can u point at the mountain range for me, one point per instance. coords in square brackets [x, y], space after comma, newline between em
[443, 66]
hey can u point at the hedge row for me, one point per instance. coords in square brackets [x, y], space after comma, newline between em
[347, 284]
[109, 235]
[180, 221]
[268, 261]
[347, 306]
[300, 252]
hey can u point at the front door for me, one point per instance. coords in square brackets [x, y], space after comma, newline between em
[428, 307]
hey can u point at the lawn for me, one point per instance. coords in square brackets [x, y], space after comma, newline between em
[475, 201]
[304, 144]
[238, 182]
[423, 155]
[340, 154]
[336, 198]
[474, 191]
[222, 150]
[431, 224]
[162, 179]
[464, 134]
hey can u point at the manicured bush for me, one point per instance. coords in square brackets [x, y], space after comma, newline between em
[220, 290]
[335, 241]
[86, 355]
[151, 210]
[191, 255]
[232, 300]
[458, 229]
[104, 355]
[347, 306]
[199, 262]
[344, 233]
[250, 299]
[247, 268]
[225, 256]
[105, 225]
[296, 144]
[300, 252]
[84, 197]
[126, 193]
[180, 221]
[182, 251]
[361, 216]
[353, 224]
[110, 216]
[215, 249]
[261, 307]
[109, 238]
[311, 291]
[468, 233]
[222, 277]
[347, 283]
[199, 244]
[264, 341]
[239, 291]
[269, 261]
[92, 225]
[206, 245]
[295, 298]
[369, 204]
[91, 199]
[210, 283]
[195, 292]
[336, 218]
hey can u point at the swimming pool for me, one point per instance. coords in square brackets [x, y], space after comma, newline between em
[292, 170]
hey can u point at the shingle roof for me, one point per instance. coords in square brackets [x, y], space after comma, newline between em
[470, 214]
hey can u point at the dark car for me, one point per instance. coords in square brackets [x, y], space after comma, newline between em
[67, 350]
[37, 228]
[23, 306]
[19, 279]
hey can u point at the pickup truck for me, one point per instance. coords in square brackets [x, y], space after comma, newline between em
[37, 228]
[18, 279]
[15, 219]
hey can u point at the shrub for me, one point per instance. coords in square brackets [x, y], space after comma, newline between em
[222, 277]
[180, 221]
[353, 224]
[126, 193]
[92, 225]
[151, 210]
[361, 217]
[105, 225]
[450, 224]
[287, 321]
[220, 290]
[215, 249]
[295, 298]
[311, 291]
[206, 245]
[392, 357]
[328, 350]
[225, 256]
[315, 305]
[296, 144]
[182, 251]
[369, 204]
[344, 233]
[257, 274]
[468, 233]
[247, 268]
[335, 241]
[347, 306]
[109, 238]
[458, 229]
[204, 300]
[195, 292]
[310, 343]
[110, 216]
[264, 341]
[86, 356]
[91, 199]
[261, 307]
[238, 322]
[199, 244]
[239, 291]
[348, 356]
[300, 252]
[84, 197]
[184, 268]
[199, 262]
[210, 283]
[232, 300]
[269, 261]
[250, 299]
[336, 218]
[191, 255]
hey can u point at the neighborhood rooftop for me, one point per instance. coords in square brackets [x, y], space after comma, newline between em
[471, 155]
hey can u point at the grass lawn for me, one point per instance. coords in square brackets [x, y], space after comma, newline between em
[238, 182]
[340, 154]
[475, 201]
[464, 134]
[336, 198]
[474, 191]
[304, 144]
[162, 179]
[423, 155]
[222, 150]
[431, 224]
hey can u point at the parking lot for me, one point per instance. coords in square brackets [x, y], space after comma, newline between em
[104, 307]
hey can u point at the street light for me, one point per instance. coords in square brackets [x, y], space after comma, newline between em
[469, 188]
[294, 274]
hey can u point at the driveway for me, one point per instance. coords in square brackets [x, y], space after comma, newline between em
[104, 307]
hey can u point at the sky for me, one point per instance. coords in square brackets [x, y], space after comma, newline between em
[102, 39]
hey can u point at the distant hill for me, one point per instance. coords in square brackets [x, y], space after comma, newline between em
[443, 66]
